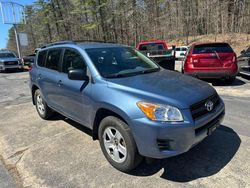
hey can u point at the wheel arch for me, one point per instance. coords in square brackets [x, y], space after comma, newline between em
[100, 114]
[33, 90]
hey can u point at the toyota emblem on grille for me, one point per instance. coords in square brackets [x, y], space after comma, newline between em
[209, 105]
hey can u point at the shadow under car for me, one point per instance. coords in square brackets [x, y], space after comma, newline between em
[205, 159]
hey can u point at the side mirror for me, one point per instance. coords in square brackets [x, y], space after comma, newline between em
[243, 51]
[78, 74]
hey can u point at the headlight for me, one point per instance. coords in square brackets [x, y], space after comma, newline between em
[159, 112]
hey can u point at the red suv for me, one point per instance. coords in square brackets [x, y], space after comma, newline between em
[211, 60]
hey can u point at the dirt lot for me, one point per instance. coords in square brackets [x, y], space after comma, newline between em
[61, 153]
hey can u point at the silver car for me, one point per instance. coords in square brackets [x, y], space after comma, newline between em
[9, 60]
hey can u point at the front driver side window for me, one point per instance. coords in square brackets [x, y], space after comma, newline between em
[72, 60]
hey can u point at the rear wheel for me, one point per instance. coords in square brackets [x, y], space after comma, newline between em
[42, 108]
[117, 144]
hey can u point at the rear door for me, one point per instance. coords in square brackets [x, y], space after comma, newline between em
[48, 62]
[214, 55]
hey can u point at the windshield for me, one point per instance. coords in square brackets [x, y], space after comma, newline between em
[6, 55]
[208, 48]
[120, 62]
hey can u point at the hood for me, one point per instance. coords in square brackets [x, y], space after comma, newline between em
[164, 87]
[8, 59]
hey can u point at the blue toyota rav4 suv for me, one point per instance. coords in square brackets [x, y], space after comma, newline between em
[134, 107]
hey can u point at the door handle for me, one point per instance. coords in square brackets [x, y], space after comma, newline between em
[39, 76]
[60, 83]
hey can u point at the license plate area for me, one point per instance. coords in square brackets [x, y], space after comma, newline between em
[212, 128]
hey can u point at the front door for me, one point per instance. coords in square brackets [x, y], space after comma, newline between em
[74, 94]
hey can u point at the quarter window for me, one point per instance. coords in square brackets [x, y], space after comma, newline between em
[53, 59]
[72, 60]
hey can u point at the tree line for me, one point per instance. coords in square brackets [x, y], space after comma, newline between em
[130, 21]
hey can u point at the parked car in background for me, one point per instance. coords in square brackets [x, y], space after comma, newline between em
[211, 60]
[30, 59]
[9, 61]
[159, 52]
[134, 107]
[244, 62]
[180, 52]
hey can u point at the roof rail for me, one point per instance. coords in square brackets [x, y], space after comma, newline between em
[101, 41]
[58, 43]
[73, 42]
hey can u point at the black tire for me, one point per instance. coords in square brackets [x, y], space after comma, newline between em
[48, 112]
[132, 158]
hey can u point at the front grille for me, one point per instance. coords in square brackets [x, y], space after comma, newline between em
[164, 144]
[11, 63]
[209, 124]
[199, 109]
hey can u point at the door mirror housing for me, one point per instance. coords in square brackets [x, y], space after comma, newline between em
[78, 74]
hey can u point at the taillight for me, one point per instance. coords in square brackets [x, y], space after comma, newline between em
[189, 59]
[234, 59]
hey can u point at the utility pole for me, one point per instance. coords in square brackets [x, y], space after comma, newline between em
[17, 41]
[16, 33]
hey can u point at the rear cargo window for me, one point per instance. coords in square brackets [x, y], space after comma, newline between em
[209, 48]
[151, 47]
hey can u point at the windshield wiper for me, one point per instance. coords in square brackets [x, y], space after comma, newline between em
[150, 70]
[120, 75]
[217, 54]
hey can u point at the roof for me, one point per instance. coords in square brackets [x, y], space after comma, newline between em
[152, 41]
[83, 45]
[88, 45]
[205, 43]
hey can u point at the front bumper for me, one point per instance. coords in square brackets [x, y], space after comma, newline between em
[162, 140]
[7, 67]
[224, 74]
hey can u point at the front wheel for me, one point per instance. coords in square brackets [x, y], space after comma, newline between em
[117, 144]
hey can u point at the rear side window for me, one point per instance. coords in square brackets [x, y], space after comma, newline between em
[53, 59]
[41, 58]
[210, 48]
[72, 60]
